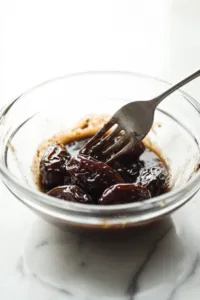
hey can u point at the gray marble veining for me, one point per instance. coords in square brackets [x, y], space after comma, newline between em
[161, 261]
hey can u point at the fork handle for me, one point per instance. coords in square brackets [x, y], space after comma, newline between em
[175, 87]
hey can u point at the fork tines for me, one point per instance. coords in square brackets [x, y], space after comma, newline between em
[110, 142]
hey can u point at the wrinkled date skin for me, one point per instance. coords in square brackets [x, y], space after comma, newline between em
[71, 193]
[53, 167]
[128, 172]
[155, 179]
[124, 193]
[91, 175]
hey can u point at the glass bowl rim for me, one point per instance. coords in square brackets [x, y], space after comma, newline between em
[81, 208]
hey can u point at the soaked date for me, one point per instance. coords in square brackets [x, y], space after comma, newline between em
[155, 179]
[71, 193]
[129, 172]
[124, 193]
[91, 175]
[53, 167]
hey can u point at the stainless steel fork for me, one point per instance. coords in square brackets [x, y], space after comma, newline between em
[129, 125]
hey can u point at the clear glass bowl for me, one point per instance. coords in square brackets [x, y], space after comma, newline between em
[59, 104]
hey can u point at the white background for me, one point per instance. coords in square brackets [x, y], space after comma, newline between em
[42, 39]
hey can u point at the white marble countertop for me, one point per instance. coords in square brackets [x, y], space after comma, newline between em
[39, 261]
[43, 39]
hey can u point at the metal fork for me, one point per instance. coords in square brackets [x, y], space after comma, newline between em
[128, 126]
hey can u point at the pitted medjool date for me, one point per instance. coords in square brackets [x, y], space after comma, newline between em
[71, 193]
[124, 193]
[129, 172]
[155, 179]
[91, 175]
[53, 167]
